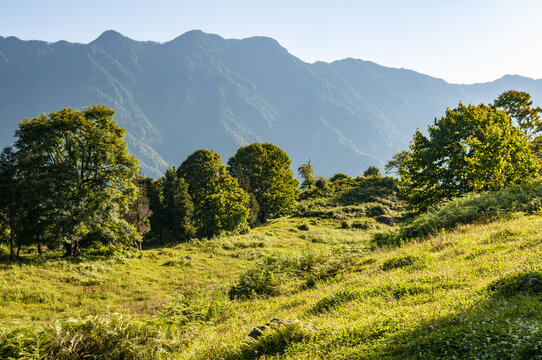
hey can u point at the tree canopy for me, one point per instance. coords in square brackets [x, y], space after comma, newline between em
[263, 170]
[75, 178]
[471, 148]
[219, 203]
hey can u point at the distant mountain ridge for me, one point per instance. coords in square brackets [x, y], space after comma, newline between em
[200, 90]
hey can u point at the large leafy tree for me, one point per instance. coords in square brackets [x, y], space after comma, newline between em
[264, 169]
[472, 148]
[77, 176]
[220, 204]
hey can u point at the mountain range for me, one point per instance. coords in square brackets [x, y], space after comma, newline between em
[200, 90]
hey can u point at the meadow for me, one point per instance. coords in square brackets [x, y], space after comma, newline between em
[318, 286]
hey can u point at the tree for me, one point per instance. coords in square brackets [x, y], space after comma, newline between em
[177, 207]
[372, 171]
[472, 148]
[397, 164]
[139, 210]
[269, 178]
[77, 175]
[518, 105]
[156, 220]
[306, 171]
[220, 204]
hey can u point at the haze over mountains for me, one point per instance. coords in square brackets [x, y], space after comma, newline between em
[202, 91]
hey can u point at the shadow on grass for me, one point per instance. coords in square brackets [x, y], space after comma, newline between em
[507, 325]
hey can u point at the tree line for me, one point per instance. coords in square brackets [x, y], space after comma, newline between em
[471, 149]
[70, 182]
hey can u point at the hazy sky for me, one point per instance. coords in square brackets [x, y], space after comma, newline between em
[461, 41]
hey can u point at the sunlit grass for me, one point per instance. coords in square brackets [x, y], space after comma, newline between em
[411, 301]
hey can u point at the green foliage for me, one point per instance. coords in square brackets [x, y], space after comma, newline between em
[220, 204]
[10, 207]
[306, 171]
[177, 208]
[256, 281]
[195, 307]
[472, 148]
[269, 276]
[527, 282]
[276, 338]
[372, 171]
[74, 172]
[263, 170]
[397, 165]
[519, 106]
[470, 208]
[110, 336]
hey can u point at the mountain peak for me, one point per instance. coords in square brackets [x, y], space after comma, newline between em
[110, 36]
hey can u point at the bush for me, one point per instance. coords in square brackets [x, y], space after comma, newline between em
[257, 281]
[110, 336]
[365, 224]
[529, 282]
[275, 339]
[275, 275]
[468, 209]
[195, 307]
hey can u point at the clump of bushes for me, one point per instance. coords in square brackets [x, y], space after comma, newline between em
[195, 307]
[525, 198]
[278, 274]
[110, 336]
[256, 281]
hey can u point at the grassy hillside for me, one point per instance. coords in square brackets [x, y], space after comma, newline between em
[471, 292]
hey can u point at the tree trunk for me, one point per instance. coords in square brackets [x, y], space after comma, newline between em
[18, 250]
[75, 248]
[11, 245]
[11, 238]
[40, 250]
[72, 248]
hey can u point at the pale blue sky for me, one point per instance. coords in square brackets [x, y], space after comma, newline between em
[458, 40]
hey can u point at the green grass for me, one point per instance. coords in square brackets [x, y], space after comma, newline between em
[459, 293]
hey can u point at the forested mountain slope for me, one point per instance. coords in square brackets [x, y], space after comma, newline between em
[202, 91]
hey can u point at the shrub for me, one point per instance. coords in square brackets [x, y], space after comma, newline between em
[257, 281]
[468, 209]
[110, 336]
[376, 210]
[364, 224]
[528, 282]
[410, 261]
[273, 341]
[195, 307]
